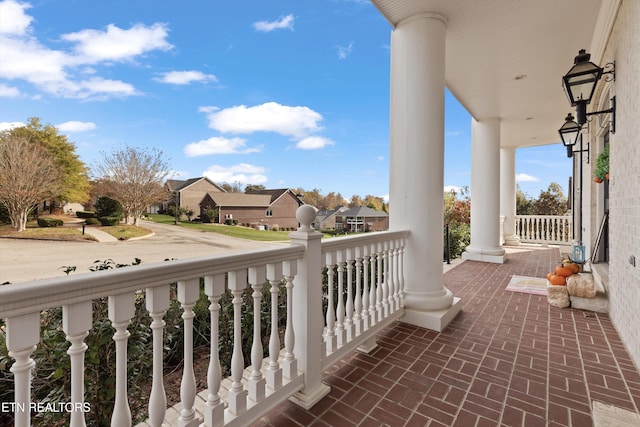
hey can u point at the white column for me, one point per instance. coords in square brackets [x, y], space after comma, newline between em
[508, 195]
[417, 165]
[485, 193]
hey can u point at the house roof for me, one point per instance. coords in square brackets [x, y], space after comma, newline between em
[275, 193]
[241, 200]
[325, 214]
[179, 184]
[364, 211]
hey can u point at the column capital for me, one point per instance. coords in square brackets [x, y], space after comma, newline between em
[425, 15]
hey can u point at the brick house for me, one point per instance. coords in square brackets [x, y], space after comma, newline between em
[362, 218]
[190, 192]
[268, 208]
[326, 218]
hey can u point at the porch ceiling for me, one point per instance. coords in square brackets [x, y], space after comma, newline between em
[505, 58]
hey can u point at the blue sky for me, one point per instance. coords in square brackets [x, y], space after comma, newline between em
[283, 94]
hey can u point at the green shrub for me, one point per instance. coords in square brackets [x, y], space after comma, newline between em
[86, 214]
[108, 221]
[106, 206]
[92, 221]
[460, 237]
[49, 222]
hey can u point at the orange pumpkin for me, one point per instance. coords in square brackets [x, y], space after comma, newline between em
[574, 267]
[557, 280]
[550, 274]
[563, 271]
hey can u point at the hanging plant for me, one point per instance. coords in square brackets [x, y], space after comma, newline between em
[601, 171]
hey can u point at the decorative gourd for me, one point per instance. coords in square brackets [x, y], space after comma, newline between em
[574, 267]
[550, 274]
[563, 271]
[557, 280]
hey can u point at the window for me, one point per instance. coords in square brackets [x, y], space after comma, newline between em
[269, 212]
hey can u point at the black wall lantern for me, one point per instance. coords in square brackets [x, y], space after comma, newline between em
[580, 84]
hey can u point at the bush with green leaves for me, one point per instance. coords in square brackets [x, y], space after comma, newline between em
[86, 214]
[50, 222]
[106, 206]
[92, 221]
[108, 221]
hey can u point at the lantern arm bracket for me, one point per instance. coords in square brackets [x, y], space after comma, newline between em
[610, 70]
[612, 122]
[571, 152]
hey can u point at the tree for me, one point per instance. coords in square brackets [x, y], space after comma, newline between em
[28, 175]
[74, 183]
[236, 187]
[524, 204]
[551, 202]
[333, 200]
[134, 176]
[355, 201]
[313, 198]
[254, 187]
[374, 202]
[106, 206]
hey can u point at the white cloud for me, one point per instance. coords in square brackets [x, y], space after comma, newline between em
[286, 22]
[345, 51]
[117, 44]
[186, 77]
[218, 145]
[243, 173]
[64, 73]
[10, 125]
[297, 122]
[314, 143]
[523, 177]
[8, 91]
[76, 126]
[14, 20]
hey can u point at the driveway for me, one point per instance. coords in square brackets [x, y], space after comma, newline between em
[25, 260]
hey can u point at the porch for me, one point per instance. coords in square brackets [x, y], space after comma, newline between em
[507, 359]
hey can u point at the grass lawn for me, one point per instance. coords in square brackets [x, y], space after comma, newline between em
[126, 232]
[228, 230]
[45, 233]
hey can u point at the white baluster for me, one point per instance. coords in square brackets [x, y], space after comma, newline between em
[76, 322]
[121, 310]
[386, 279]
[23, 334]
[257, 277]
[380, 283]
[366, 316]
[237, 396]
[157, 302]
[357, 317]
[274, 372]
[289, 363]
[341, 333]
[394, 299]
[348, 323]
[188, 295]
[330, 335]
[214, 407]
[401, 272]
[373, 309]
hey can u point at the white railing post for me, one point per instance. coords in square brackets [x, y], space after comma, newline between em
[76, 323]
[330, 335]
[357, 318]
[274, 372]
[366, 316]
[257, 277]
[188, 295]
[214, 406]
[157, 302]
[289, 362]
[341, 332]
[373, 292]
[348, 323]
[121, 310]
[237, 396]
[23, 334]
[307, 310]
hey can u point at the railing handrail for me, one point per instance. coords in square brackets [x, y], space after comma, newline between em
[544, 216]
[28, 297]
[556, 229]
[347, 242]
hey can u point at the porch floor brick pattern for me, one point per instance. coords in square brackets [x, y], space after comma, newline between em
[508, 359]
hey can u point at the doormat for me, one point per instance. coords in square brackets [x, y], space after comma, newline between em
[527, 285]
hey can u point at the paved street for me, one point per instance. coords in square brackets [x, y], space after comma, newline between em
[26, 260]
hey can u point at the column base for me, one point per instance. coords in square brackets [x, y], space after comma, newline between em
[435, 320]
[513, 240]
[307, 400]
[497, 256]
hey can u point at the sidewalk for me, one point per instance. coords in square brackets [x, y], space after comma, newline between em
[99, 234]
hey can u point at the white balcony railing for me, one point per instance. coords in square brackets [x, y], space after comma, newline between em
[545, 229]
[363, 294]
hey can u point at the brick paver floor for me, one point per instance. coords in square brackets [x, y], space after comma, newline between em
[508, 359]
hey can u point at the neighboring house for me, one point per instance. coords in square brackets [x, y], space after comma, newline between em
[189, 192]
[266, 208]
[326, 218]
[362, 218]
